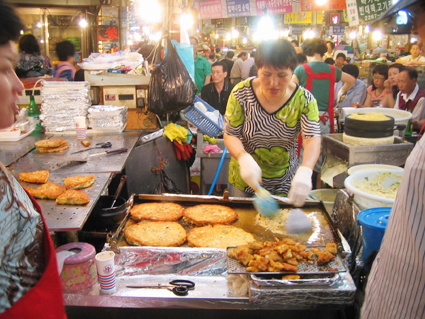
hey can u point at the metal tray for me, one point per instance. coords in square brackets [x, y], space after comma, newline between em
[305, 280]
[334, 266]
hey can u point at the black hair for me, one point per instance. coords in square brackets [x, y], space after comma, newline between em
[412, 44]
[411, 72]
[64, 50]
[212, 55]
[341, 55]
[224, 65]
[351, 69]
[398, 66]
[331, 43]
[330, 61]
[252, 54]
[276, 53]
[28, 44]
[217, 50]
[230, 54]
[302, 58]
[10, 23]
[242, 54]
[313, 46]
[296, 42]
[381, 69]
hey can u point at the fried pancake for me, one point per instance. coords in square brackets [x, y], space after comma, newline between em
[37, 177]
[79, 182]
[157, 212]
[210, 214]
[73, 197]
[50, 143]
[218, 236]
[47, 191]
[160, 234]
[53, 150]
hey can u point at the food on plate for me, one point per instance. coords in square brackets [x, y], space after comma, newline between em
[291, 277]
[37, 177]
[85, 143]
[73, 197]
[379, 185]
[157, 212]
[210, 214]
[162, 234]
[369, 116]
[280, 255]
[51, 145]
[218, 236]
[47, 191]
[79, 182]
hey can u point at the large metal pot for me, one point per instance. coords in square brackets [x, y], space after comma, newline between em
[106, 216]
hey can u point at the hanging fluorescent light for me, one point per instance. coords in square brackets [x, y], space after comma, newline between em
[150, 10]
[266, 29]
[321, 2]
[38, 24]
[377, 35]
[235, 33]
[353, 35]
[228, 36]
[186, 21]
[83, 23]
[244, 40]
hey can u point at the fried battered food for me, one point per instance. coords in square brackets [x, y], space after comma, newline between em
[157, 212]
[291, 277]
[73, 197]
[331, 247]
[210, 214]
[162, 234]
[79, 182]
[37, 177]
[85, 143]
[218, 236]
[50, 143]
[53, 150]
[324, 257]
[47, 191]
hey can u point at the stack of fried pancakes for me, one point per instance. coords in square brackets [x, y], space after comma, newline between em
[51, 145]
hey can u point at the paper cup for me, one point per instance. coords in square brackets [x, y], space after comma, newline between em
[106, 272]
[81, 127]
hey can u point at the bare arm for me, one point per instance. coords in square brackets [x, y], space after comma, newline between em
[311, 151]
[367, 103]
[388, 100]
[295, 79]
[234, 145]
[348, 81]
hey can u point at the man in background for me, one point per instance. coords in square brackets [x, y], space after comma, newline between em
[357, 94]
[217, 93]
[228, 60]
[202, 67]
[340, 60]
[236, 73]
[212, 58]
[247, 64]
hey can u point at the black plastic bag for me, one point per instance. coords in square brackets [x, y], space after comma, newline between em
[171, 88]
[166, 185]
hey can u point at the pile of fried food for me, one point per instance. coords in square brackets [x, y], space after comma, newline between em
[64, 195]
[280, 255]
[51, 145]
[156, 224]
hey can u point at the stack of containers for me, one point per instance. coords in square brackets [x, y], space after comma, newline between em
[61, 102]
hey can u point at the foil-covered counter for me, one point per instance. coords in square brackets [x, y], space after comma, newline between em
[207, 268]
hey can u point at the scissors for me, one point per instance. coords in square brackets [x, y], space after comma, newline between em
[178, 287]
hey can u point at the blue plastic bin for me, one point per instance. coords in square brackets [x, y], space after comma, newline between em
[373, 222]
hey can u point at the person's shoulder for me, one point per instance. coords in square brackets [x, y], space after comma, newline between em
[299, 69]
[302, 92]
[360, 84]
[370, 89]
[421, 58]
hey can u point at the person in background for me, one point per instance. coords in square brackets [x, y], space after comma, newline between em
[295, 43]
[228, 61]
[340, 60]
[330, 61]
[212, 58]
[414, 58]
[263, 119]
[202, 67]
[396, 282]
[65, 68]
[391, 85]
[236, 72]
[30, 285]
[30, 62]
[357, 94]
[376, 92]
[301, 58]
[411, 96]
[217, 93]
[343, 42]
[331, 51]
[217, 53]
[247, 65]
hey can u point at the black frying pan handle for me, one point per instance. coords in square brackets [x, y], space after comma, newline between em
[120, 186]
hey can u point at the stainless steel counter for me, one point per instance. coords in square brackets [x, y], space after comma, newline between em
[12, 151]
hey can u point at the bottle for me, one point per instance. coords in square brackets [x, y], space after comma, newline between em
[34, 115]
[409, 128]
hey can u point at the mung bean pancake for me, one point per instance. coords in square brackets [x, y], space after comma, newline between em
[157, 212]
[210, 214]
[159, 234]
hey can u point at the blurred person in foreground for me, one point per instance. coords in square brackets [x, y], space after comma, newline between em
[30, 285]
[357, 94]
[395, 287]
[264, 117]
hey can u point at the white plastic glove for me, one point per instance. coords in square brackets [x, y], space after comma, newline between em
[342, 95]
[300, 186]
[249, 169]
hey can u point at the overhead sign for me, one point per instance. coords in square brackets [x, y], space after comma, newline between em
[337, 30]
[238, 8]
[311, 5]
[334, 18]
[353, 13]
[297, 30]
[210, 9]
[273, 6]
[370, 10]
[297, 17]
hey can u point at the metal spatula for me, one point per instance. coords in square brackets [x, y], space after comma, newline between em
[84, 159]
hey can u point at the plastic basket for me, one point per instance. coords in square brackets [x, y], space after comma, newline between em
[201, 121]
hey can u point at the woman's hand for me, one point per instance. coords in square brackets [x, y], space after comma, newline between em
[387, 85]
[250, 170]
[301, 186]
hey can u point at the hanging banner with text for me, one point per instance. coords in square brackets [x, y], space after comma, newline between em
[370, 10]
[238, 8]
[353, 13]
[334, 30]
[274, 6]
[311, 5]
[297, 17]
[210, 9]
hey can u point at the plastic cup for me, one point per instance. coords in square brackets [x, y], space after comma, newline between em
[81, 127]
[105, 265]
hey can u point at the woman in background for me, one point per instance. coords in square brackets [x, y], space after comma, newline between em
[376, 92]
[391, 87]
[31, 63]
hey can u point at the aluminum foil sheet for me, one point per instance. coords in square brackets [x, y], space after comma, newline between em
[305, 280]
[107, 117]
[133, 261]
[61, 102]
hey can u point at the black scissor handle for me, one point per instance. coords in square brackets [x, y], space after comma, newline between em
[180, 290]
[183, 283]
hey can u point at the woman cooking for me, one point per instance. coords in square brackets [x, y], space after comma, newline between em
[263, 119]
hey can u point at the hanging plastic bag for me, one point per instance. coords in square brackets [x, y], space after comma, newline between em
[171, 87]
[185, 52]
